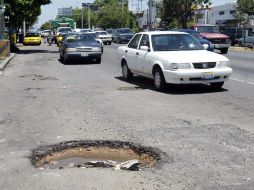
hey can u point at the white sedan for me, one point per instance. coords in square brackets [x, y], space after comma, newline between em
[172, 57]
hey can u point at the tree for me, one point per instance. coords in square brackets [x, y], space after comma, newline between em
[20, 10]
[114, 14]
[246, 6]
[180, 12]
[46, 26]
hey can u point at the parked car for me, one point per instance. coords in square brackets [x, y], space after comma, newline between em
[198, 37]
[80, 46]
[110, 32]
[211, 32]
[122, 35]
[104, 37]
[234, 33]
[247, 41]
[172, 57]
[32, 38]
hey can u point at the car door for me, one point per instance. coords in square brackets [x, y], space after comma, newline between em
[131, 52]
[143, 56]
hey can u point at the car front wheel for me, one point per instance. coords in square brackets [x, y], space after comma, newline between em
[217, 85]
[127, 74]
[159, 80]
[224, 50]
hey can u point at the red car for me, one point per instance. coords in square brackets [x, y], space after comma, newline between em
[211, 32]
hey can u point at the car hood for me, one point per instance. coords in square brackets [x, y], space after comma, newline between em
[189, 56]
[213, 35]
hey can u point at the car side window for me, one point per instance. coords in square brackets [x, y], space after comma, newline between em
[144, 41]
[134, 42]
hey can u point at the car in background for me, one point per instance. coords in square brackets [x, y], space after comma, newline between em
[32, 38]
[110, 32]
[85, 30]
[60, 32]
[45, 33]
[122, 35]
[172, 57]
[234, 33]
[80, 46]
[198, 37]
[247, 41]
[104, 37]
[211, 32]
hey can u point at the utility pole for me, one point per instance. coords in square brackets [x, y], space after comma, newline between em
[82, 18]
[88, 5]
[2, 20]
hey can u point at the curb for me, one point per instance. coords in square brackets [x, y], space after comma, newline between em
[241, 49]
[5, 62]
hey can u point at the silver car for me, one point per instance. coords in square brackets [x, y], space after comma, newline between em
[247, 41]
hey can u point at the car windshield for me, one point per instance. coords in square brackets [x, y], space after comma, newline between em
[208, 29]
[125, 31]
[175, 42]
[101, 33]
[64, 30]
[196, 35]
[32, 35]
[80, 37]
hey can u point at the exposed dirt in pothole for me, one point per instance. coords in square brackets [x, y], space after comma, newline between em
[115, 154]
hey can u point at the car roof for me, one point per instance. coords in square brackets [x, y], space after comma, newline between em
[162, 32]
[186, 30]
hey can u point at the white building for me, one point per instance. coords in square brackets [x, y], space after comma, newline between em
[223, 14]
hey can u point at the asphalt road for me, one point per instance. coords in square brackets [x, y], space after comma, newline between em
[207, 135]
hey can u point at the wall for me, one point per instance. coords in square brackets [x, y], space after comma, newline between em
[4, 48]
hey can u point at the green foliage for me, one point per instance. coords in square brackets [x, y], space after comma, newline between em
[20, 10]
[46, 26]
[180, 12]
[115, 15]
[246, 6]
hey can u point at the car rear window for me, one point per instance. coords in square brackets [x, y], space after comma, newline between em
[32, 35]
[80, 37]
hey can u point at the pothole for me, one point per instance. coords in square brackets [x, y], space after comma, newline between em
[131, 88]
[87, 154]
[38, 77]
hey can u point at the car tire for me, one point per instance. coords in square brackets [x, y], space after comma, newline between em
[61, 57]
[127, 74]
[65, 60]
[240, 44]
[98, 60]
[217, 85]
[109, 43]
[224, 50]
[159, 80]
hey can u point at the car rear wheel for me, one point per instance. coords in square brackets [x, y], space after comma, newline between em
[224, 50]
[127, 74]
[240, 44]
[217, 85]
[159, 80]
[109, 43]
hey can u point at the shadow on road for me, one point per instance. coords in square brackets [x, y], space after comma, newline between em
[30, 51]
[79, 62]
[144, 83]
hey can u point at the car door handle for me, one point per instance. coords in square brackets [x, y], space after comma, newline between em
[137, 53]
[126, 51]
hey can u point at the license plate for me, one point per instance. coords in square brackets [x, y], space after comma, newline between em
[84, 54]
[207, 75]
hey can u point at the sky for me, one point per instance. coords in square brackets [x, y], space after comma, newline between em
[50, 11]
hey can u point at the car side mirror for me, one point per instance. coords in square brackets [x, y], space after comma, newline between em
[144, 48]
[205, 46]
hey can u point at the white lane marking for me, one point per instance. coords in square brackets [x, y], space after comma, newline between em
[238, 80]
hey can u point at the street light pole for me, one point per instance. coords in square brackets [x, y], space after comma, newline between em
[89, 19]
[82, 18]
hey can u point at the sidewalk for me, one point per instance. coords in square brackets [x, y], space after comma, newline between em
[4, 62]
[237, 48]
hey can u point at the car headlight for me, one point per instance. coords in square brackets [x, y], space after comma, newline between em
[222, 64]
[228, 41]
[175, 66]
